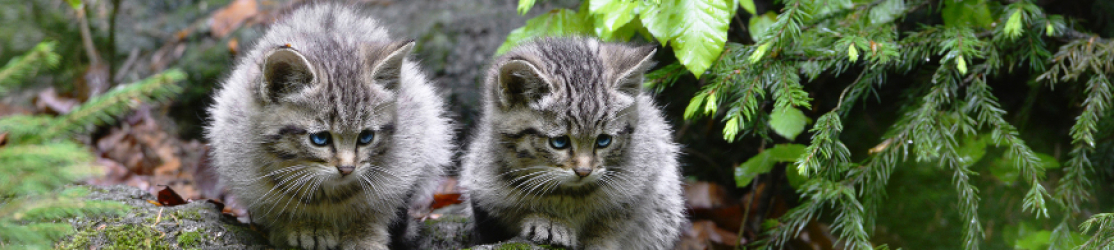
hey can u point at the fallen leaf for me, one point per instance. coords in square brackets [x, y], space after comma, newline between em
[50, 102]
[229, 18]
[444, 200]
[167, 197]
[3, 139]
[704, 195]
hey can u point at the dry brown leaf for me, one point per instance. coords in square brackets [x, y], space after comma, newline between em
[50, 102]
[229, 18]
[705, 195]
[167, 197]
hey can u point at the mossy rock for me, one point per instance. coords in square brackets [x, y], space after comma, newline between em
[146, 226]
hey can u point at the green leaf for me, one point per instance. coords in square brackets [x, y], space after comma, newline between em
[694, 105]
[1013, 25]
[788, 122]
[697, 29]
[758, 25]
[75, 4]
[971, 151]
[731, 129]
[967, 13]
[887, 11]
[852, 53]
[795, 179]
[1005, 170]
[764, 161]
[611, 15]
[961, 64]
[523, 6]
[711, 106]
[559, 22]
[748, 5]
[759, 52]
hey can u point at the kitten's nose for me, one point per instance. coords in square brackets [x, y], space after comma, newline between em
[582, 172]
[583, 166]
[345, 170]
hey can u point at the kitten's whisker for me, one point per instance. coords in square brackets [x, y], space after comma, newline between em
[286, 191]
[270, 195]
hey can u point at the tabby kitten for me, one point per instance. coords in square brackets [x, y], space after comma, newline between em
[571, 152]
[327, 131]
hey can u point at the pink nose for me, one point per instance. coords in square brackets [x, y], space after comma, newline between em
[345, 170]
[582, 172]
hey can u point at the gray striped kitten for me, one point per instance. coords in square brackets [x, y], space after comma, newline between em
[571, 152]
[327, 131]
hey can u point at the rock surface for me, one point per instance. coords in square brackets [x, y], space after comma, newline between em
[201, 225]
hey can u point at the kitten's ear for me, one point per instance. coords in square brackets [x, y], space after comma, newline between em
[630, 81]
[285, 71]
[388, 70]
[520, 83]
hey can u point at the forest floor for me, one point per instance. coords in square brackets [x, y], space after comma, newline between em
[157, 150]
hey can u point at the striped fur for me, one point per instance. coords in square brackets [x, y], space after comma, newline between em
[328, 68]
[520, 185]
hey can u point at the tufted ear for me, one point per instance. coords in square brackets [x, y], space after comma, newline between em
[387, 70]
[520, 83]
[285, 71]
[630, 80]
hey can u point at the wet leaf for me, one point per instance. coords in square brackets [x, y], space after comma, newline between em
[167, 197]
[444, 200]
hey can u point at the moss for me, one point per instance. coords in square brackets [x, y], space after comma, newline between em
[190, 214]
[132, 237]
[117, 237]
[189, 239]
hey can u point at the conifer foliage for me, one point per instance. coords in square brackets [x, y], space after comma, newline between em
[759, 86]
[39, 155]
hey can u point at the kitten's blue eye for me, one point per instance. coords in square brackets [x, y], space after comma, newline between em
[366, 137]
[561, 142]
[320, 138]
[603, 141]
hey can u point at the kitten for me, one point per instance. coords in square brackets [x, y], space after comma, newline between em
[327, 131]
[571, 152]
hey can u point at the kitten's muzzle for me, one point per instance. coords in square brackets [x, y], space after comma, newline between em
[345, 170]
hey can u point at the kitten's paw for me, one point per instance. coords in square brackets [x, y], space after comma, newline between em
[547, 231]
[310, 238]
[363, 246]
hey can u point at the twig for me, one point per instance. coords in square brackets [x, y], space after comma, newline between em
[157, 218]
[746, 213]
[112, 41]
[87, 37]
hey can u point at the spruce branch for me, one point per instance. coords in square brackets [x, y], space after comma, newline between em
[104, 108]
[21, 67]
[1104, 233]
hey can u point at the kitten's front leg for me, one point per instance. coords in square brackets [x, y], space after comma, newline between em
[542, 229]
